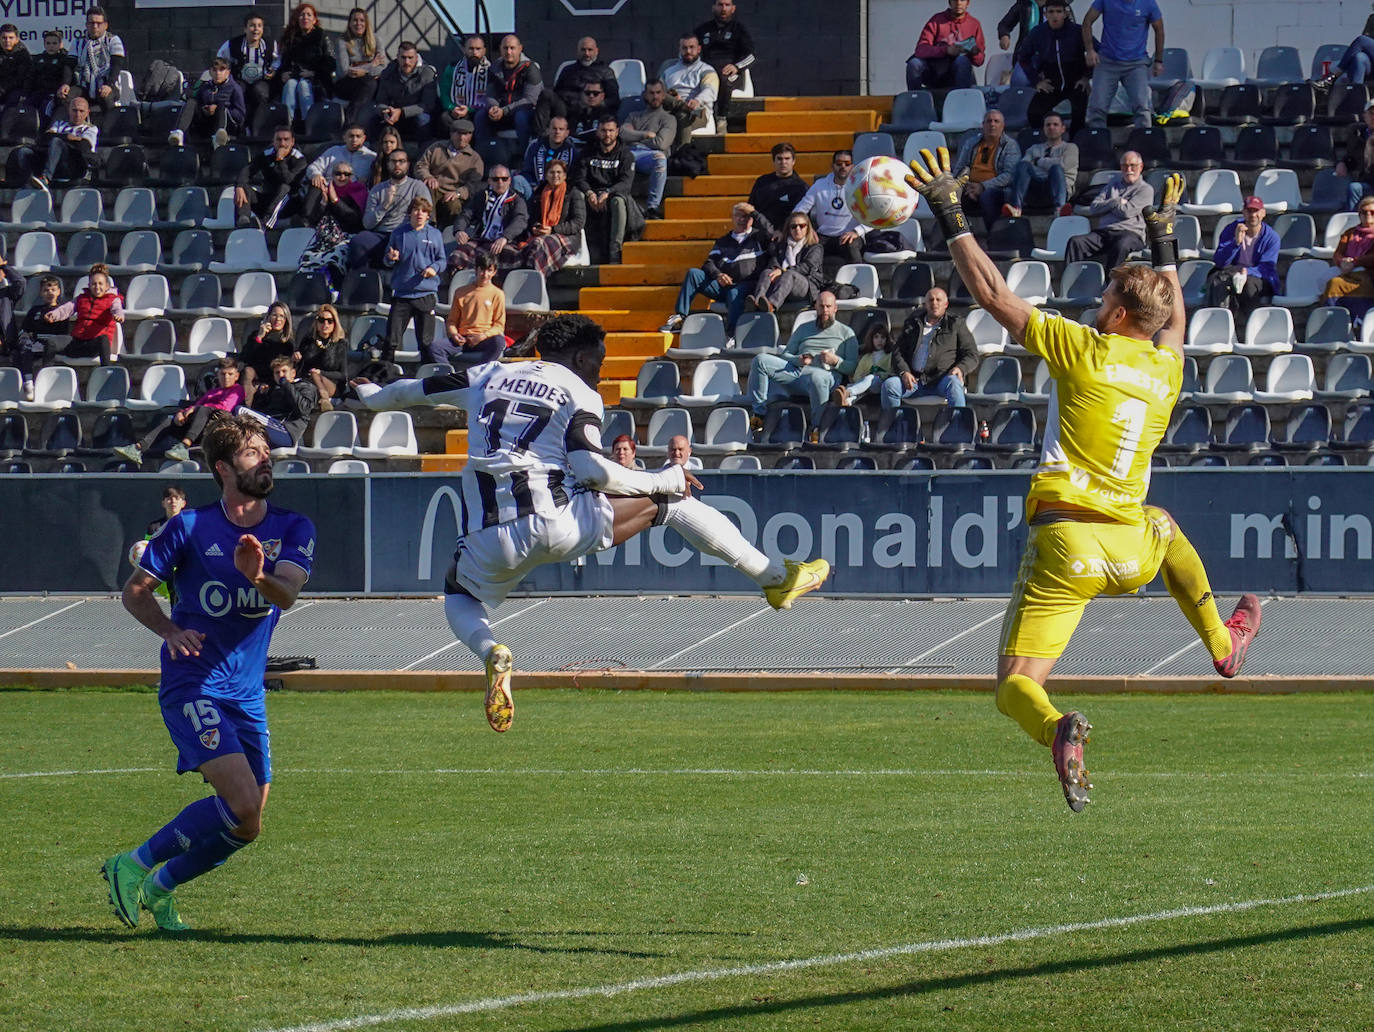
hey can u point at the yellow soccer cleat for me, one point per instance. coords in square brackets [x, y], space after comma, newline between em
[500, 702]
[801, 578]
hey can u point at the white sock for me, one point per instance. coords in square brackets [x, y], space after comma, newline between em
[710, 530]
[467, 618]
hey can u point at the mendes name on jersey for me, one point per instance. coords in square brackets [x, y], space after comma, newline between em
[1109, 408]
[196, 550]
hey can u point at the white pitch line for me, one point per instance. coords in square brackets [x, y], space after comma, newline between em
[499, 1003]
[26, 626]
[79, 773]
[1191, 645]
[696, 645]
[495, 623]
[945, 644]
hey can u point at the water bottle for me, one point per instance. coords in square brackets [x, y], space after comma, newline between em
[983, 432]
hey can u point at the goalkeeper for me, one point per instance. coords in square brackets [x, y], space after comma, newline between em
[1115, 385]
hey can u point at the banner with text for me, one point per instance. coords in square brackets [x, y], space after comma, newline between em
[32, 17]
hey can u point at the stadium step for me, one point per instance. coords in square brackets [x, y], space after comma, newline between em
[701, 208]
[612, 391]
[704, 230]
[882, 105]
[686, 253]
[783, 124]
[808, 164]
[621, 321]
[622, 368]
[637, 345]
[734, 187]
[643, 275]
[456, 441]
[435, 463]
[762, 143]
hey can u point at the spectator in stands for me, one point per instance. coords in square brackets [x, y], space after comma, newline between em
[1353, 284]
[948, 49]
[680, 452]
[254, 62]
[192, 420]
[586, 115]
[267, 185]
[52, 74]
[623, 450]
[1245, 274]
[388, 140]
[341, 200]
[476, 321]
[778, 192]
[873, 368]
[34, 347]
[650, 133]
[70, 145]
[1122, 58]
[1119, 209]
[387, 206]
[463, 87]
[358, 62]
[14, 66]
[1024, 16]
[216, 110]
[405, 92]
[513, 89]
[490, 223]
[1054, 62]
[95, 313]
[11, 292]
[839, 232]
[817, 354]
[1053, 163]
[728, 48]
[307, 62]
[692, 86]
[1358, 162]
[935, 355]
[556, 144]
[795, 268]
[451, 170]
[99, 60]
[270, 339]
[1356, 63]
[353, 151]
[605, 174]
[588, 69]
[415, 256]
[987, 159]
[322, 353]
[558, 214]
[730, 270]
[289, 400]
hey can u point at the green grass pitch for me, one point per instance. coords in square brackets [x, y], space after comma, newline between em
[412, 859]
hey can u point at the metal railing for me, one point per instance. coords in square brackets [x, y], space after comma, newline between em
[430, 24]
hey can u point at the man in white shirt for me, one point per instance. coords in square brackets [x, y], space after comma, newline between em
[840, 233]
[692, 85]
[71, 144]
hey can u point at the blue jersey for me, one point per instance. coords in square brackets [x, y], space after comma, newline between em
[196, 550]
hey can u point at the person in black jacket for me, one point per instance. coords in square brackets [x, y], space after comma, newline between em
[1358, 161]
[776, 193]
[730, 269]
[307, 62]
[270, 339]
[1053, 60]
[322, 352]
[587, 69]
[289, 400]
[794, 271]
[1023, 16]
[217, 109]
[14, 65]
[558, 213]
[935, 355]
[727, 47]
[605, 173]
[51, 75]
[492, 221]
[405, 92]
[254, 62]
[267, 185]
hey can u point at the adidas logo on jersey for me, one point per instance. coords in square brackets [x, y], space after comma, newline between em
[214, 550]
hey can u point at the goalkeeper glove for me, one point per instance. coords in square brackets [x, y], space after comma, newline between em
[1159, 225]
[941, 190]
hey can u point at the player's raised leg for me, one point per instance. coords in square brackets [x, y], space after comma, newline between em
[468, 620]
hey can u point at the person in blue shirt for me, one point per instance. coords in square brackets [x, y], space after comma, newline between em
[234, 566]
[415, 255]
[1122, 57]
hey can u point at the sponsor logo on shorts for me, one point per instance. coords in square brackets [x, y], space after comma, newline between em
[214, 551]
[1096, 566]
[272, 549]
[210, 738]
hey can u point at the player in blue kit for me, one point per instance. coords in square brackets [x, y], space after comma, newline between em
[234, 566]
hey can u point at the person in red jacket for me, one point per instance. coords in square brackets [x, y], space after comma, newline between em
[96, 310]
[948, 49]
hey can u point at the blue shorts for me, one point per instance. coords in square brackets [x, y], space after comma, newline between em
[203, 728]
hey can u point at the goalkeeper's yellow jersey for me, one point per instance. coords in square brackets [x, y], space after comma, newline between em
[1108, 411]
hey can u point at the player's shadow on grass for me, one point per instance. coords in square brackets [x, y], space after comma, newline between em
[979, 978]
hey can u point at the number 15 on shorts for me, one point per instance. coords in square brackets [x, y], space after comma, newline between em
[201, 714]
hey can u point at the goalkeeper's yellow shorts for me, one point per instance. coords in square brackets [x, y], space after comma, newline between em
[1066, 564]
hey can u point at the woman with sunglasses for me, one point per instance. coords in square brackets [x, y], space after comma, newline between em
[1353, 285]
[322, 353]
[269, 339]
[793, 272]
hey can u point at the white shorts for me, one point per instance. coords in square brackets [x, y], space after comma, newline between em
[491, 562]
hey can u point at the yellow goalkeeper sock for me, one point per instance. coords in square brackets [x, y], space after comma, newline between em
[1029, 705]
[1186, 580]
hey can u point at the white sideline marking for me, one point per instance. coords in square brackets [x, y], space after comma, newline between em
[497, 1003]
[1192, 644]
[697, 644]
[455, 641]
[26, 626]
[944, 644]
[75, 773]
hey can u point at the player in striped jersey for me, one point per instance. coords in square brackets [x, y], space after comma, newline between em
[1090, 533]
[538, 490]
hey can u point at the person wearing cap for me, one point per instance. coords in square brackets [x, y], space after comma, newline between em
[1358, 163]
[451, 169]
[1246, 273]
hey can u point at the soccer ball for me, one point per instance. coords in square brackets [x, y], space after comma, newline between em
[136, 551]
[877, 193]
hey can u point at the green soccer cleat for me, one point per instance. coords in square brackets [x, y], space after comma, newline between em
[162, 904]
[125, 878]
[801, 578]
[500, 703]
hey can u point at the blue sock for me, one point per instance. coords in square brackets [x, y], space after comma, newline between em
[201, 819]
[209, 852]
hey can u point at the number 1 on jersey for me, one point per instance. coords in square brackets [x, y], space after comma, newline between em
[1130, 416]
